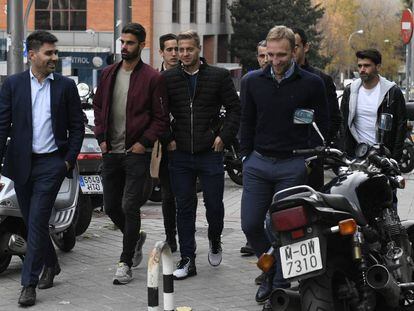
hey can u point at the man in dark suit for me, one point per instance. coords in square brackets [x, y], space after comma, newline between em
[41, 113]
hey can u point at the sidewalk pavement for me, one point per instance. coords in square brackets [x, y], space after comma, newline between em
[85, 282]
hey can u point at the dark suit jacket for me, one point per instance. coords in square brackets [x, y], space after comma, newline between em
[16, 123]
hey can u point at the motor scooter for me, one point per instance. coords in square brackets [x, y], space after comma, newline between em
[13, 232]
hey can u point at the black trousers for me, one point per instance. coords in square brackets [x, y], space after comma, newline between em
[124, 177]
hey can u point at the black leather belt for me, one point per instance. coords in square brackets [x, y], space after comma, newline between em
[45, 155]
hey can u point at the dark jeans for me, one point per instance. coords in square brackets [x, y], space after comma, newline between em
[184, 170]
[124, 177]
[262, 178]
[36, 199]
[168, 200]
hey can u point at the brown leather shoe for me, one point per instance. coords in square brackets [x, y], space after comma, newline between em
[28, 296]
[49, 273]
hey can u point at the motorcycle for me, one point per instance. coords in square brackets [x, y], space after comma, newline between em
[89, 162]
[407, 159]
[13, 232]
[345, 245]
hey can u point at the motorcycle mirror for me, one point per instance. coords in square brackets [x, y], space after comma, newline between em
[83, 89]
[303, 116]
[306, 116]
[385, 122]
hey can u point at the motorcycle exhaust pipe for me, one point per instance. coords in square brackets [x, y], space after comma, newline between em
[380, 279]
[285, 300]
[13, 244]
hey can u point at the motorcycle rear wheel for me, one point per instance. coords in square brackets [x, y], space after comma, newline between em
[407, 159]
[4, 262]
[83, 213]
[235, 175]
[319, 294]
[65, 241]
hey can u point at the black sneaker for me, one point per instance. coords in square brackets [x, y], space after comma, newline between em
[215, 252]
[185, 268]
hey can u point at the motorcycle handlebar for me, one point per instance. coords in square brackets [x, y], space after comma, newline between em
[319, 151]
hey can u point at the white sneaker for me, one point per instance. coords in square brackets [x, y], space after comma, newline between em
[185, 268]
[136, 260]
[215, 252]
[123, 274]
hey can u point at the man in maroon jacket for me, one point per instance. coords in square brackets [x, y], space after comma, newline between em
[130, 114]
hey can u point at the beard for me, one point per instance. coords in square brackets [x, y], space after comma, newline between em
[130, 55]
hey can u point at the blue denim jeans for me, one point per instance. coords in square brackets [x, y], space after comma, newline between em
[184, 170]
[262, 178]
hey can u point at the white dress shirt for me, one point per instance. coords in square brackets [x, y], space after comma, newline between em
[43, 138]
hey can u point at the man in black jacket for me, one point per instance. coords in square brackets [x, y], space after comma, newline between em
[269, 136]
[196, 93]
[365, 99]
[316, 178]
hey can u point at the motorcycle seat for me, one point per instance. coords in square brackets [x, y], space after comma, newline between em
[341, 203]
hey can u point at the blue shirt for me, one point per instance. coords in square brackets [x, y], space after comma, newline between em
[286, 75]
[43, 138]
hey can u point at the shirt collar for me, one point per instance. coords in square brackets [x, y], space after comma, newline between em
[49, 77]
[195, 72]
[287, 74]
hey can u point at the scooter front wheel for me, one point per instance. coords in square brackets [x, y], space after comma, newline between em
[4, 262]
[65, 240]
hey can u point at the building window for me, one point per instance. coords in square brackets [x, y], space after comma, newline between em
[223, 9]
[60, 14]
[176, 11]
[209, 7]
[193, 11]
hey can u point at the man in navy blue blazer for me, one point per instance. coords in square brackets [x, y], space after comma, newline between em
[41, 113]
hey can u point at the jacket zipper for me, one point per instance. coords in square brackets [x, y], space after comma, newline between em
[191, 113]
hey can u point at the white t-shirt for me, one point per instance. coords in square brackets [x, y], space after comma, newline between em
[366, 114]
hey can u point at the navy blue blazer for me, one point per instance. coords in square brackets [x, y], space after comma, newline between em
[16, 123]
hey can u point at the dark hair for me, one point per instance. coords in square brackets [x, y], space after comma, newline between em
[37, 38]
[302, 34]
[167, 37]
[137, 30]
[372, 54]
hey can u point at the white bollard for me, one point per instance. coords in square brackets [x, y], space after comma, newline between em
[161, 251]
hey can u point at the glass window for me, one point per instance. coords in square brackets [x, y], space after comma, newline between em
[60, 14]
[176, 11]
[78, 4]
[209, 7]
[223, 9]
[60, 4]
[77, 20]
[60, 20]
[193, 11]
[43, 4]
[42, 20]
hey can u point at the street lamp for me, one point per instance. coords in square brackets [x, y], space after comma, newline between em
[359, 32]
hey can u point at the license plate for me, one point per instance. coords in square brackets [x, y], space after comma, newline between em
[300, 258]
[91, 184]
